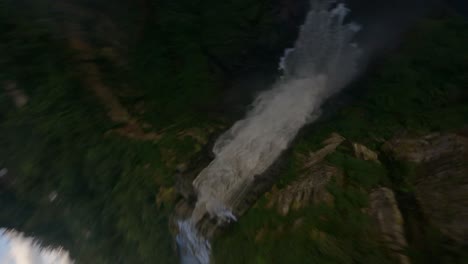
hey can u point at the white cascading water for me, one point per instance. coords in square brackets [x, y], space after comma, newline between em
[17, 248]
[322, 62]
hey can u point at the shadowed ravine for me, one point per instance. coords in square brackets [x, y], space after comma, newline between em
[323, 61]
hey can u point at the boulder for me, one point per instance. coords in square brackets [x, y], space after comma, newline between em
[364, 153]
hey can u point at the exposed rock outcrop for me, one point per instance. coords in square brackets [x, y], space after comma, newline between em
[384, 209]
[364, 153]
[329, 145]
[311, 188]
[440, 180]
[427, 148]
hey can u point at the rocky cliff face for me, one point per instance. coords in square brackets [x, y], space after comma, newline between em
[437, 180]
[440, 180]
[384, 209]
[311, 187]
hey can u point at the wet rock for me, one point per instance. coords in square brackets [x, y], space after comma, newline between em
[183, 210]
[186, 172]
[184, 186]
[384, 209]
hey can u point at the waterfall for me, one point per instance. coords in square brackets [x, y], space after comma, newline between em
[15, 247]
[321, 63]
[193, 247]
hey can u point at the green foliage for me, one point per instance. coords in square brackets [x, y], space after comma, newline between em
[105, 210]
[190, 50]
[420, 88]
[367, 174]
[317, 234]
[105, 191]
[106, 187]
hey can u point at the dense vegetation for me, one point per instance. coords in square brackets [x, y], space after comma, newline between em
[74, 181]
[418, 89]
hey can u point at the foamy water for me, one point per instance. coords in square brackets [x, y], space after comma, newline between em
[322, 62]
[18, 249]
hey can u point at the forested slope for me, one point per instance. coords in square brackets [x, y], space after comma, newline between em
[101, 105]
